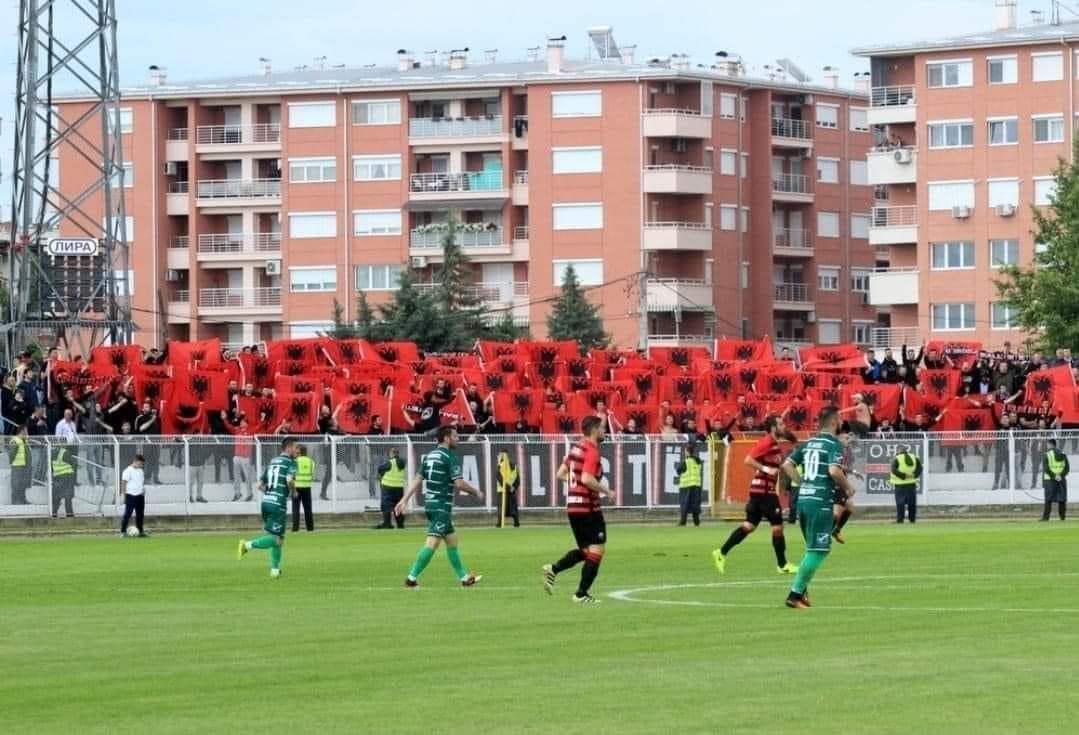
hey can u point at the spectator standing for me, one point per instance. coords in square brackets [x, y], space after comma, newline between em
[305, 477]
[871, 372]
[148, 424]
[38, 426]
[1055, 468]
[132, 488]
[19, 461]
[243, 472]
[906, 472]
[391, 478]
[508, 483]
[63, 480]
[889, 368]
[1001, 470]
[690, 471]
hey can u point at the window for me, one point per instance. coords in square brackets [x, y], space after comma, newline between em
[950, 73]
[1049, 129]
[861, 333]
[1048, 67]
[951, 134]
[708, 98]
[1004, 131]
[828, 331]
[127, 120]
[312, 280]
[828, 277]
[728, 162]
[378, 277]
[951, 317]
[589, 272]
[374, 222]
[943, 195]
[577, 160]
[859, 280]
[859, 226]
[745, 165]
[827, 224]
[859, 173]
[312, 224]
[310, 170]
[376, 112]
[129, 228]
[312, 114]
[1003, 252]
[827, 116]
[727, 104]
[952, 255]
[728, 214]
[1003, 70]
[828, 170]
[301, 330]
[1001, 316]
[859, 120]
[577, 104]
[578, 216]
[1045, 188]
[376, 168]
[126, 173]
[1003, 191]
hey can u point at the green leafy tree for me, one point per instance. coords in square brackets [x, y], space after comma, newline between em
[460, 306]
[412, 315]
[504, 329]
[342, 328]
[574, 317]
[1044, 298]
[367, 327]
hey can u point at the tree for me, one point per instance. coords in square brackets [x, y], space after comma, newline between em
[1044, 298]
[573, 317]
[366, 325]
[460, 305]
[341, 329]
[506, 330]
[412, 315]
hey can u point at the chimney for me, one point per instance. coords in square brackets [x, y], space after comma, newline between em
[728, 64]
[404, 59]
[491, 55]
[831, 77]
[680, 62]
[432, 57]
[264, 66]
[555, 50]
[533, 53]
[1005, 16]
[459, 58]
[627, 54]
[863, 83]
[157, 76]
[319, 62]
[1037, 17]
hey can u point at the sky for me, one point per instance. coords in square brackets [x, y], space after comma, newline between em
[206, 38]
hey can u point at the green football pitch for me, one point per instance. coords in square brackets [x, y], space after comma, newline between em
[942, 627]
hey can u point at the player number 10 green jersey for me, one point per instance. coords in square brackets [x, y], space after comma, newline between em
[816, 456]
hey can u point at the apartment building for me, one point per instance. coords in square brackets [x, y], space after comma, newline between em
[254, 201]
[970, 130]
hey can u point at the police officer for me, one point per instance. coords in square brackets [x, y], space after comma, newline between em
[305, 477]
[690, 480]
[509, 481]
[906, 471]
[391, 476]
[19, 459]
[63, 481]
[1055, 470]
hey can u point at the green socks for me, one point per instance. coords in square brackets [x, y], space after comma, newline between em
[806, 569]
[268, 542]
[422, 560]
[275, 556]
[263, 542]
[455, 562]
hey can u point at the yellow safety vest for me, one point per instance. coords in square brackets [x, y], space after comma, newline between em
[20, 452]
[394, 477]
[305, 472]
[60, 465]
[907, 464]
[507, 475]
[691, 477]
[1055, 461]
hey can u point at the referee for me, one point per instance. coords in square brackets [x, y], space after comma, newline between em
[1055, 470]
[906, 471]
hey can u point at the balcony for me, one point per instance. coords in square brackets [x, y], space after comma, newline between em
[464, 186]
[895, 337]
[432, 238]
[519, 192]
[520, 133]
[435, 131]
[239, 245]
[238, 138]
[677, 236]
[177, 203]
[179, 242]
[676, 178]
[892, 105]
[680, 340]
[792, 243]
[239, 301]
[674, 123]
[232, 192]
[678, 294]
[177, 255]
[893, 286]
[794, 188]
[178, 307]
[892, 165]
[788, 133]
[520, 233]
[793, 297]
[176, 144]
[894, 226]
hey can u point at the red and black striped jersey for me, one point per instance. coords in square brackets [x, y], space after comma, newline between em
[583, 458]
[768, 452]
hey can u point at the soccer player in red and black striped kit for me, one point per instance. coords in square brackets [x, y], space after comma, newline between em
[765, 458]
[584, 471]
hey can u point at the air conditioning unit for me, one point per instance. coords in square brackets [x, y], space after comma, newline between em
[669, 88]
[172, 168]
[961, 212]
[172, 275]
[1006, 210]
[811, 317]
[419, 261]
[904, 156]
[272, 267]
[679, 145]
[807, 99]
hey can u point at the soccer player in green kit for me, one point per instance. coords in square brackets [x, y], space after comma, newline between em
[821, 460]
[441, 476]
[278, 484]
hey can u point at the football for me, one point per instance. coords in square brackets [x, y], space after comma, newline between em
[132, 531]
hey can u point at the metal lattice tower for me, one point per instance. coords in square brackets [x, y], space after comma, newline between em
[79, 302]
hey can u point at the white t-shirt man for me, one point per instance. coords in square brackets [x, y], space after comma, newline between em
[133, 480]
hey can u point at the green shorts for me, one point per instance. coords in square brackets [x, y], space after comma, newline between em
[439, 523]
[274, 519]
[817, 523]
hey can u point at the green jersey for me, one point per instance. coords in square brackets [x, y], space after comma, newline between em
[275, 480]
[815, 457]
[440, 470]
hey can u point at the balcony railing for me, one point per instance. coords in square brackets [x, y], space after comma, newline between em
[678, 167]
[892, 96]
[176, 134]
[238, 188]
[236, 242]
[681, 112]
[783, 127]
[465, 181]
[520, 232]
[180, 296]
[677, 226]
[493, 292]
[520, 177]
[794, 239]
[895, 337]
[239, 298]
[792, 292]
[179, 242]
[179, 187]
[461, 127]
[659, 339]
[433, 239]
[238, 134]
[792, 184]
[903, 216]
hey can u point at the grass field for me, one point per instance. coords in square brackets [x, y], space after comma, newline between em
[945, 627]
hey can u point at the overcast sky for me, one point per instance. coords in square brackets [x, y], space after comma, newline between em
[206, 38]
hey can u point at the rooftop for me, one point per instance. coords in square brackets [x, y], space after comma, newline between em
[1019, 36]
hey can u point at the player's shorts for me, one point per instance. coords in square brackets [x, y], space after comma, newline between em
[440, 523]
[274, 519]
[839, 497]
[589, 529]
[817, 522]
[764, 506]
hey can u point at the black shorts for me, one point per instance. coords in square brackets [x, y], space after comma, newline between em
[764, 506]
[839, 497]
[589, 529]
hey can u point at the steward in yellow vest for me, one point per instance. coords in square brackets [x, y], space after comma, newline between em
[19, 459]
[63, 481]
[690, 481]
[507, 483]
[906, 471]
[305, 478]
[1055, 470]
[391, 475]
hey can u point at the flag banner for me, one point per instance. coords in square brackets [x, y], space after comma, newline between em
[457, 412]
[572, 384]
[255, 370]
[1042, 384]
[487, 383]
[782, 383]
[966, 419]
[296, 350]
[207, 387]
[1066, 404]
[883, 400]
[428, 382]
[260, 413]
[963, 354]
[153, 389]
[724, 386]
[586, 402]
[645, 416]
[511, 406]
[457, 362]
[682, 388]
[300, 410]
[681, 357]
[561, 422]
[833, 357]
[491, 351]
[549, 351]
[121, 358]
[305, 383]
[915, 404]
[745, 350]
[397, 352]
[346, 388]
[940, 384]
[831, 396]
[802, 415]
[543, 374]
[206, 353]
